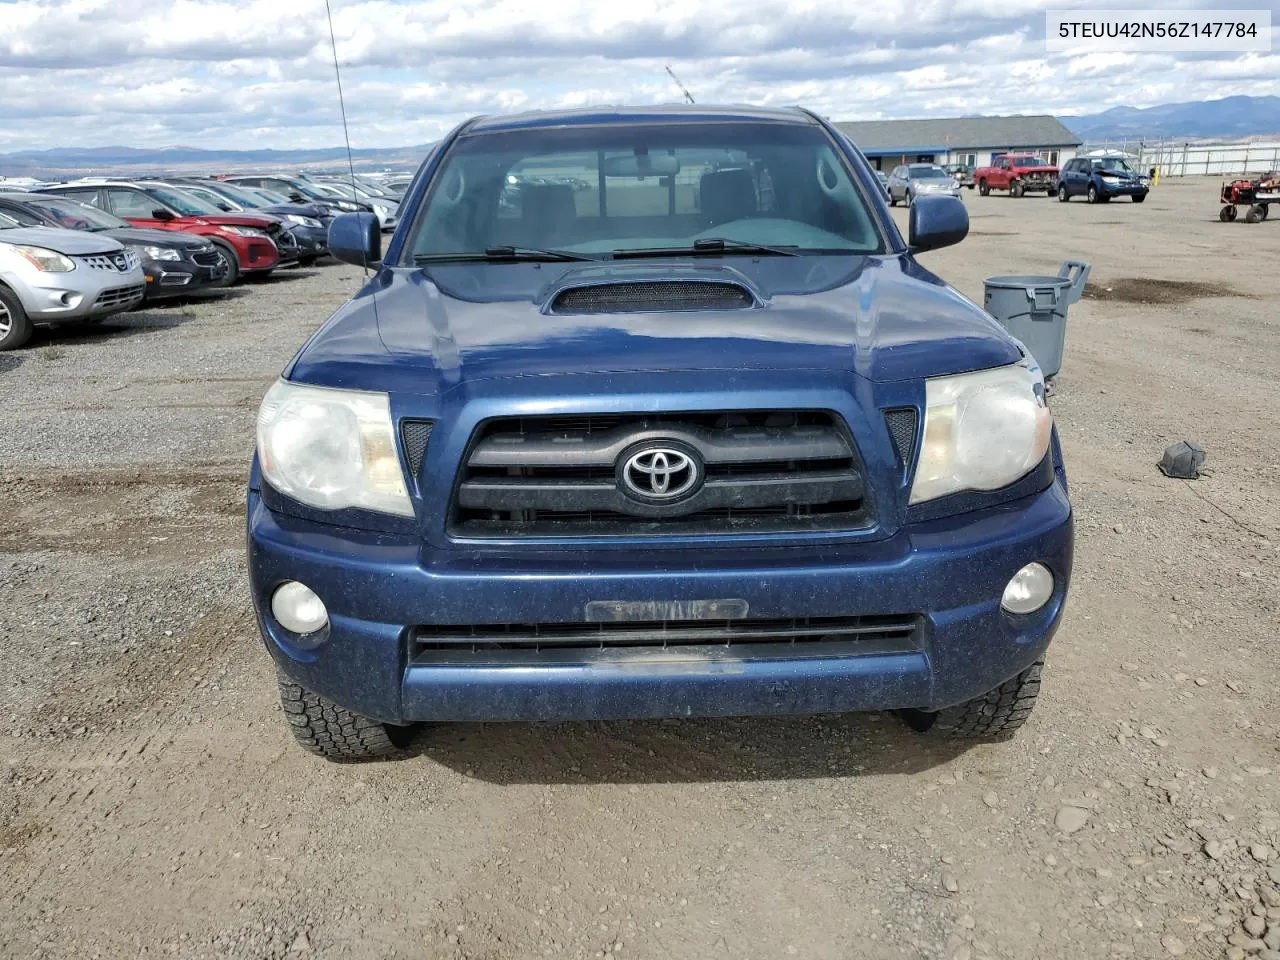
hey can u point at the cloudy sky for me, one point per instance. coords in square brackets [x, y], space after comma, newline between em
[252, 73]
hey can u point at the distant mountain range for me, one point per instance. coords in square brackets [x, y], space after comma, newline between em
[1230, 117]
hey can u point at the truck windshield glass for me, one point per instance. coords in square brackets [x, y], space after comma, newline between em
[1029, 162]
[604, 189]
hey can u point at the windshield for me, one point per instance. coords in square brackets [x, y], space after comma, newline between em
[241, 195]
[1029, 162]
[185, 203]
[73, 215]
[7, 223]
[1112, 163]
[263, 195]
[605, 189]
[220, 203]
[927, 171]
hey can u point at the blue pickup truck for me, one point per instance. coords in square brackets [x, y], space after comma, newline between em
[653, 413]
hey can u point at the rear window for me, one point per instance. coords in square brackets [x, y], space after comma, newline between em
[600, 189]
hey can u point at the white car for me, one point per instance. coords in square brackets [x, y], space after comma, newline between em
[384, 208]
[49, 275]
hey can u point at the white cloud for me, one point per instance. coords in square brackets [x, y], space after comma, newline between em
[241, 73]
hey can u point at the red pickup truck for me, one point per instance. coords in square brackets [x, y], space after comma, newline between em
[1018, 173]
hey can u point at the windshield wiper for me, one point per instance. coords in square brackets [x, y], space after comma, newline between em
[501, 254]
[708, 245]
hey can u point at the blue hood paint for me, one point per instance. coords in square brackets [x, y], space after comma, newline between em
[885, 318]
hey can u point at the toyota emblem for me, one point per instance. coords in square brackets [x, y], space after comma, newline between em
[659, 473]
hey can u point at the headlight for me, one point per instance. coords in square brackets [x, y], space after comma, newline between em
[982, 431]
[347, 205]
[331, 448]
[302, 221]
[246, 231]
[47, 261]
[160, 253]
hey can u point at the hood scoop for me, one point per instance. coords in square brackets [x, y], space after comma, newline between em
[652, 296]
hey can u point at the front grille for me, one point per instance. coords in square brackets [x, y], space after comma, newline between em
[567, 476]
[287, 242]
[207, 258]
[122, 262]
[117, 296]
[652, 296]
[531, 643]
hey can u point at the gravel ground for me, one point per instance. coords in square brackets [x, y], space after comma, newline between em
[152, 803]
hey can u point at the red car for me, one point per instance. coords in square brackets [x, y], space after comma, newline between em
[1019, 173]
[244, 241]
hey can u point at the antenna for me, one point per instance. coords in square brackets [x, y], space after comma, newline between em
[342, 106]
[672, 74]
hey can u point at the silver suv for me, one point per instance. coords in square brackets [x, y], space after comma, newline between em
[49, 275]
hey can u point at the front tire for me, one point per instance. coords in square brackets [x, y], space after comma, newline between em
[1093, 193]
[230, 260]
[995, 715]
[1063, 196]
[15, 325]
[983, 189]
[336, 733]
[1015, 188]
[1139, 197]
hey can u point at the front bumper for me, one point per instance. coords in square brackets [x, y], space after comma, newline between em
[256, 254]
[80, 294]
[1121, 189]
[175, 278]
[950, 572]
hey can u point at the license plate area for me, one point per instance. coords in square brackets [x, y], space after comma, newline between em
[624, 611]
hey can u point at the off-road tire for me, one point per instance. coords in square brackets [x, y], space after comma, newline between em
[336, 733]
[1063, 196]
[995, 715]
[1227, 213]
[983, 188]
[1016, 189]
[17, 326]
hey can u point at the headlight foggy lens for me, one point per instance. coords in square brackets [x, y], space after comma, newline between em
[331, 449]
[982, 431]
[161, 253]
[47, 261]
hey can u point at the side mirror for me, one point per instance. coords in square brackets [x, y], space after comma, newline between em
[937, 222]
[159, 213]
[356, 238]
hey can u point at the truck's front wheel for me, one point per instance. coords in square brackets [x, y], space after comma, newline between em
[334, 732]
[993, 716]
[1015, 188]
[983, 188]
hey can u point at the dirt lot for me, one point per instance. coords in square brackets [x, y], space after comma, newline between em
[152, 803]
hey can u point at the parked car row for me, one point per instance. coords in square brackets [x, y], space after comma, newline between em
[80, 251]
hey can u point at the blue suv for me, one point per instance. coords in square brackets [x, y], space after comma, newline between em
[1100, 178]
[653, 413]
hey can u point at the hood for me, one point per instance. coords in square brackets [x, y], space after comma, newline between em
[885, 318]
[261, 221]
[157, 238]
[76, 243]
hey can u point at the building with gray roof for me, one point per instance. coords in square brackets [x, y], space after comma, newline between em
[968, 140]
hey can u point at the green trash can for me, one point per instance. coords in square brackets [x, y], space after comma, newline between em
[1034, 310]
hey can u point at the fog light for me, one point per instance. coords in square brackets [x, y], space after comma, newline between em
[296, 608]
[1029, 590]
